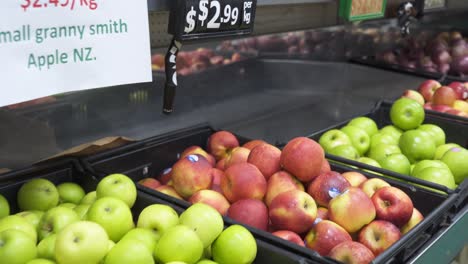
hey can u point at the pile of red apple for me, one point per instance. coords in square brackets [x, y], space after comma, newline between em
[61, 224]
[293, 194]
[450, 99]
[189, 62]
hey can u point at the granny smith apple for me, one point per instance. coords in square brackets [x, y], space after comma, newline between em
[381, 151]
[16, 247]
[81, 242]
[89, 198]
[206, 221]
[67, 205]
[40, 261]
[38, 194]
[81, 210]
[70, 192]
[437, 133]
[206, 261]
[118, 186]
[113, 215]
[440, 150]
[4, 207]
[392, 131]
[333, 138]
[366, 124]
[33, 217]
[457, 161]
[369, 161]
[18, 223]
[345, 151]
[428, 163]
[46, 248]
[380, 138]
[359, 138]
[55, 220]
[158, 217]
[179, 243]
[437, 175]
[235, 245]
[148, 237]
[417, 145]
[129, 251]
[396, 162]
[407, 114]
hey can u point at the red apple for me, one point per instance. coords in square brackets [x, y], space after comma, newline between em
[220, 143]
[158, 59]
[293, 210]
[250, 212]
[428, 106]
[460, 90]
[289, 236]
[352, 209]
[169, 190]
[427, 89]
[281, 182]
[354, 178]
[243, 181]
[379, 235]
[253, 143]
[414, 95]
[415, 219]
[237, 155]
[393, 205]
[325, 167]
[444, 96]
[198, 150]
[325, 235]
[322, 213]
[191, 174]
[302, 157]
[217, 175]
[221, 164]
[441, 108]
[165, 176]
[267, 159]
[327, 186]
[351, 252]
[211, 198]
[150, 183]
[370, 186]
[456, 112]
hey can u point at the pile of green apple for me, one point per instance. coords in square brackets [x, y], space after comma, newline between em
[407, 146]
[61, 224]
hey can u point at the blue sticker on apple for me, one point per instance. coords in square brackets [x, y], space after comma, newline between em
[333, 192]
[192, 158]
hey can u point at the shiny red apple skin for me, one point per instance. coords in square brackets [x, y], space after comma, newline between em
[322, 213]
[191, 174]
[169, 190]
[460, 90]
[198, 150]
[281, 182]
[354, 178]
[243, 181]
[266, 158]
[216, 175]
[150, 183]
[352, 252]
[444, 96]
[289, 236]
[326, 186]
[251, 212]
[427, 89]
[220, 143]
[379, 235]
[253, 143]
[235, 156]
[325, 235]
[303, 158]
[393, 205]
[211, 198]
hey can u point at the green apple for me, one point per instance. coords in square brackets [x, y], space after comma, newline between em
[81, 210]
[333, 138]
[366, 124]
[113, 215]
[67, 205]
[158, 217]
[38, 194]
[110, 245]
[18, 223]
[392, 131]
[345, 151]
[70, 192]
[235, 245]
[148, 237]
[457, 161]
[118, 186]
[440, 150]
[381, 151]
[359, 138]
[206, 261]
[177, 262]
[4, 207]
[417, 145]
[40, 261]
[179, 243]
[81, 242]
[380, 138]
[16, 247]
[437, 175]
[46, 248]
[397, 162]
[89, 198]
[55, 220]
[407, 114]
[369, 161]
[427, 164]
[33, 217]
[129, 251]
[437, 134]
[206, 221]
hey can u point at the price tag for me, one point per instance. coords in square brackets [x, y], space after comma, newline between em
[55, 46]
[199, 19]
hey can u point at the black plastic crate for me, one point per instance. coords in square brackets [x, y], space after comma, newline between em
[150, 160]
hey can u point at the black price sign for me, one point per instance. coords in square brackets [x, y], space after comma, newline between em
[198, 19]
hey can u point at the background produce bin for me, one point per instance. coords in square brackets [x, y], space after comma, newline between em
[158, 155]
[70, 171]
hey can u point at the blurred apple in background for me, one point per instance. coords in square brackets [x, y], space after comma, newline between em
[444, 96]
[427, 89]
[414, 95]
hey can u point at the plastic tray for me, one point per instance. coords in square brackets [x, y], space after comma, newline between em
[150, 160]
[70, 170]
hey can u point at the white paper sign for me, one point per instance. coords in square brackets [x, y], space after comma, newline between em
[55, 46]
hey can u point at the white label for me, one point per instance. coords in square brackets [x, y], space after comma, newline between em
[55, 46]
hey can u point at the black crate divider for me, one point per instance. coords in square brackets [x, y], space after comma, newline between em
[157, 155]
